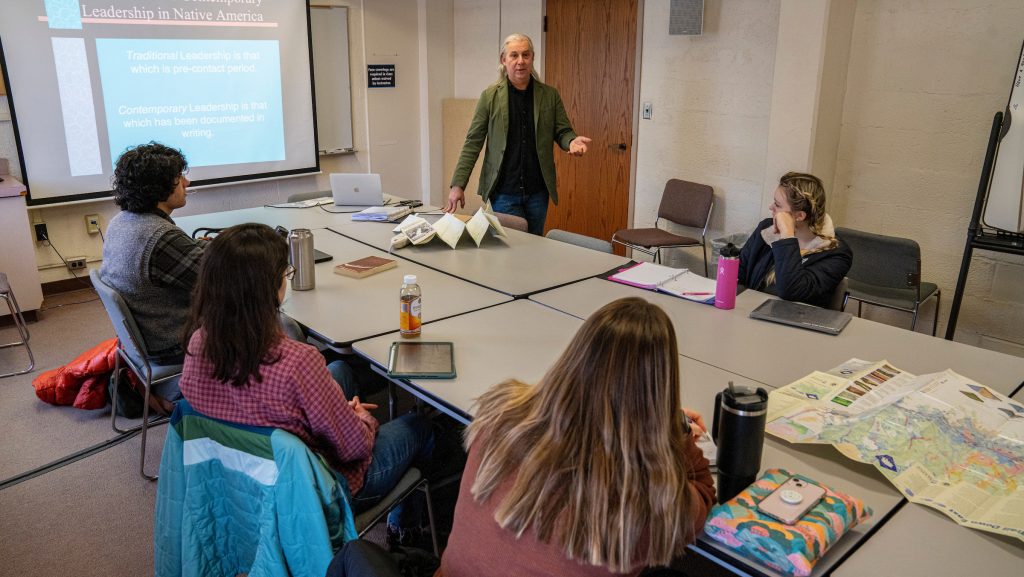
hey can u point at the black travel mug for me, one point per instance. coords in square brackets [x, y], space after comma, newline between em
[738, 430]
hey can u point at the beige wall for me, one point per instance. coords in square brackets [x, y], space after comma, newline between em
[711, 97]
[923, 84]
[436, 54]
[480, 26]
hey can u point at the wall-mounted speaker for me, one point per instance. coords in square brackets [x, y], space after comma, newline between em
[686, 17]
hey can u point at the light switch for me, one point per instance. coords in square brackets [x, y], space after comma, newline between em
[648, 110]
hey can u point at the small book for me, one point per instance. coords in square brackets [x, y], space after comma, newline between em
[421, 360]
[365, 266]
[381, 213]
[678, 282]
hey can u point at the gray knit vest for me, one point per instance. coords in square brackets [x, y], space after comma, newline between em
[160, 312]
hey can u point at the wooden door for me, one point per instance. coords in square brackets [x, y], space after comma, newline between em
[590, 51]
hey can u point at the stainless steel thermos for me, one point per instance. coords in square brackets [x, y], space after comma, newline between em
[300, 253]
[738, 430]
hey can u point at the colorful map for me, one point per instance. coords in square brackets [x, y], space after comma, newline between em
[941, 439]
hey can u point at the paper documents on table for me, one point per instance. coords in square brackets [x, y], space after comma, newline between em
[482, 221]
[381, 213]
[308, 203]
[420, 231]
[941, 439]
[678, 282]
[450, 227]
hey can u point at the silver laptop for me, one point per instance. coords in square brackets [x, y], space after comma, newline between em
[356, 189]
[802, 315]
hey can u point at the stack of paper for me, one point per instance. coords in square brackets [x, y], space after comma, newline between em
[381, 213]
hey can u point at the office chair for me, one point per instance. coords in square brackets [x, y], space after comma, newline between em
[580, 240]
[512, 221]
[838, 300]
[236, 499]
[886, 272]
[7, 294]
[411, 481]
[684, 203]
[131, 349]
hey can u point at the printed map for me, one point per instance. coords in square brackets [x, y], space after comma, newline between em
[942, 440]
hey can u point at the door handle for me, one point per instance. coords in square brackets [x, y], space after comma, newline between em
[619, 146]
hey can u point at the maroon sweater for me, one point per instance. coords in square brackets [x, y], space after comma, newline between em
[478, 546]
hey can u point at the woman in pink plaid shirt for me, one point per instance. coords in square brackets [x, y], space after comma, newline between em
[240, 367]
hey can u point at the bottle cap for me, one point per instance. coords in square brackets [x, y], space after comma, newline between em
[730, 251]
[409, 279]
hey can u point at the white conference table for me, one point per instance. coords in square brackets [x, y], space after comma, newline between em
[777, 354]
[342, 309]
[922, 542]
[312, 217]
[521, 339]
[518, 265]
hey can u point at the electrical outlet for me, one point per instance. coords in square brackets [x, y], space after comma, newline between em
[92, 223]
[40, 231]
[76, 263]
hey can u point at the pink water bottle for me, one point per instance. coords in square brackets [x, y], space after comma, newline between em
[728, 272]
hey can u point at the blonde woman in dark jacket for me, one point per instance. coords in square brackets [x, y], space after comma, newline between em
[795, 254]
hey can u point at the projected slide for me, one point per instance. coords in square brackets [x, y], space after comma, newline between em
[226, 81]
[218, 99]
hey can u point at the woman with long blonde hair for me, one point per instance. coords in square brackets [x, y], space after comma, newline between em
[594, 470]
[795, 254]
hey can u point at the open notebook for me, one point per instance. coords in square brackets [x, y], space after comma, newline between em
[678, 282]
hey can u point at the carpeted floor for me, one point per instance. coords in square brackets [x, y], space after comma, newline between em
[93, 516]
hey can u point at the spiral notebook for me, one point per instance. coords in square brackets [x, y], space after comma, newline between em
[678, 282]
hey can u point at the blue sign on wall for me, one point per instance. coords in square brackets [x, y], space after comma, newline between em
[380, 75]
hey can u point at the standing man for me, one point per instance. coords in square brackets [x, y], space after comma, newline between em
[521, 118]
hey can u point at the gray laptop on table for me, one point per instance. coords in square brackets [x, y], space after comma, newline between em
[802, 315]
[351, 189]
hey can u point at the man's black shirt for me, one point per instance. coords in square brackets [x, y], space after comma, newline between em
[520, 168]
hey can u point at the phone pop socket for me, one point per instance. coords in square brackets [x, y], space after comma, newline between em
[791, 497]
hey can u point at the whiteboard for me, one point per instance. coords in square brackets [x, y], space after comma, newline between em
[331, 78]
[1004, 207]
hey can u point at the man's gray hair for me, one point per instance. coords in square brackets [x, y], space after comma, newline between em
[515, 37]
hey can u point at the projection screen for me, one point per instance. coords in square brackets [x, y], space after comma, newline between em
[228, 82]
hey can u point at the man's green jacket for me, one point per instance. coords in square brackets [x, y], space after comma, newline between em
[490, 122]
